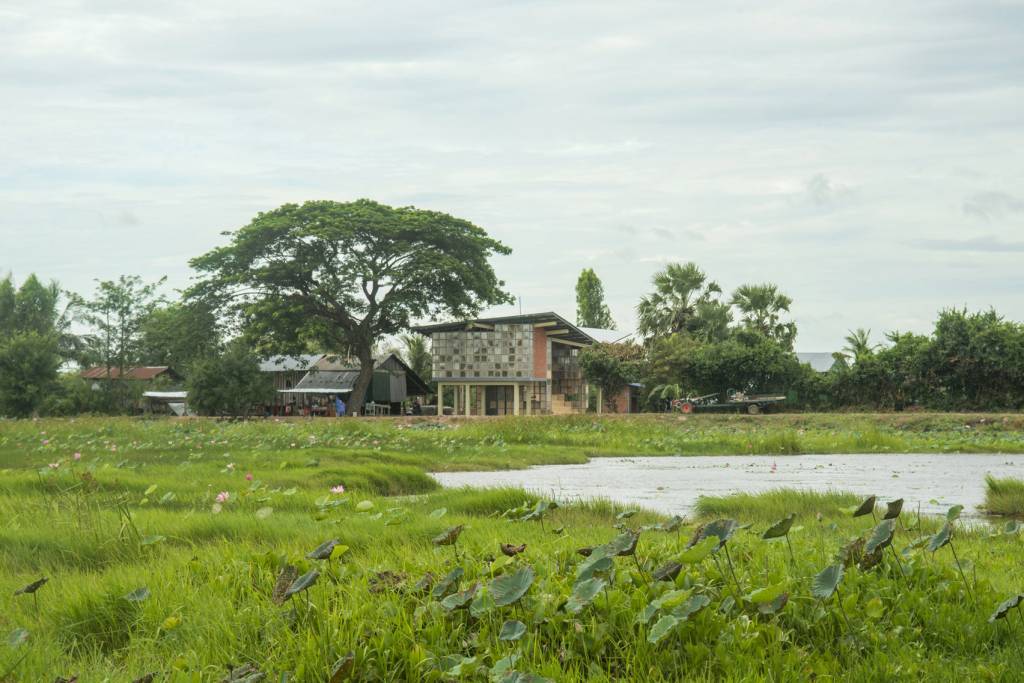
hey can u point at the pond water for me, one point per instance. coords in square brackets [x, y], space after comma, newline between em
[673, 484]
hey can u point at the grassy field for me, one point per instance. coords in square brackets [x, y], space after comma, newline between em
[164, 544]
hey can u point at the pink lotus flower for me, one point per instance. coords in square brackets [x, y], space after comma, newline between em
[54, 465]
[46, 442]
[338, 489]
[248, 476]
[77, 456]
[223, 497]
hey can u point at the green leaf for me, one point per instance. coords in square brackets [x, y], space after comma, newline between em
[512, 630]
[625, 514]
[322, 551]
[364, 506]
[942, 538]
[151, 490]
[780, 528]
[766, 595]
[264, 512]
[671, 599]
[598, 562]
[510, 588]
[881, 537]
[448, 584]
[503, 666]
[137, 595]
[866, 507]
[623, 545]
[699, 552]
[875, 609]
[438, 513]
[722, 529]
[667, 572]
[1005, 606]
[827, 581]
[151, 540]
[461, 599]
[661, 629]
[693, 605]
[302, 583]
[953, 513]
[583, 593]
[672, 523]
[448, 536]
[893, 508]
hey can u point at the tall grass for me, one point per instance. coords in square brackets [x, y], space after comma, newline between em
[1004, 496]
[776, 504]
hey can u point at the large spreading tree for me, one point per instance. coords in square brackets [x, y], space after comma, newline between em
[340, 276]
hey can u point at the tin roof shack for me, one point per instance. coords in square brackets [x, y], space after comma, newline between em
[287, 372]
[127, 389]
[520, 364]
[167, 402]
[393, 382]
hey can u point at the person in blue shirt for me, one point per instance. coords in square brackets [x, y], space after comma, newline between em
[339, 406]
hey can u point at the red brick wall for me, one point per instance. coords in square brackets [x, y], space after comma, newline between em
[540, 352]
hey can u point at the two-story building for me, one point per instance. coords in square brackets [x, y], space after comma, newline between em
[515, 365]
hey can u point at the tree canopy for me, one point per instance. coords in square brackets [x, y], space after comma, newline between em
[340, 276]
[591, 309]
[679, 292]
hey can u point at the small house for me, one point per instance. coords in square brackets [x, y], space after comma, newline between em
[393, 382]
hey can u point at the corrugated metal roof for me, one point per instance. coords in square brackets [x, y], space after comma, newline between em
[607, 336]
[575, 333]
[299, 363]
[140, 373]
[327, 381]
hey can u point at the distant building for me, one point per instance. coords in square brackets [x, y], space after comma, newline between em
[522, 364]
[329, 376]
[148, 373]
[286, 372]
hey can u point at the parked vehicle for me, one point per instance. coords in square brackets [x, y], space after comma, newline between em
[736, 401]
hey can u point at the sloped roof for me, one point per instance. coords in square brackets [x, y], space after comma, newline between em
[573, 333]
[608, 336]
[319, 381]
[299, 363]
[140, 373]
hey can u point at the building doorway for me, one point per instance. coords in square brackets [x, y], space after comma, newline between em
[499, 400]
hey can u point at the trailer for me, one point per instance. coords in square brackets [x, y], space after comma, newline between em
[735, 401]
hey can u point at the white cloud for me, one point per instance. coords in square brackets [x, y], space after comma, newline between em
[843, 151]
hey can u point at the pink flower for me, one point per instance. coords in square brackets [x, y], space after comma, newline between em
[248, 476]
[46, 442]
[223, 496]
[338, 489]
[77, 456]
[54, 465]
[773, 467]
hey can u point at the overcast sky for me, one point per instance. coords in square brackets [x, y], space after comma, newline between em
[866, 156]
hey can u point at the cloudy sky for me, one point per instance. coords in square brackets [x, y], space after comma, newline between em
[868, 156]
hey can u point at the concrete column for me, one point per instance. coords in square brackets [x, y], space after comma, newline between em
[515, 398]
[600, 400]
[529, 399]
[465, 395]
[440, 399]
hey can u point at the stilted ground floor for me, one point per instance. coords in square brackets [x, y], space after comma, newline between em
[511, 398]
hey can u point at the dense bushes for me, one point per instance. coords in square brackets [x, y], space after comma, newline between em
[972, 361]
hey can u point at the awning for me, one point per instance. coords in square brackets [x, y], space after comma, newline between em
[314, 391]
[169, 395]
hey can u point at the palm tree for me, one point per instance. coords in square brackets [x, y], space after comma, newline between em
[858, 345]
[417, 354]
[762, 306]
[673, 305]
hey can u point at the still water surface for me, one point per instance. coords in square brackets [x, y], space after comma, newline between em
[673, 484]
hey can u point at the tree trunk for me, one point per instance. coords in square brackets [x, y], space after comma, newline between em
[358, 396]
